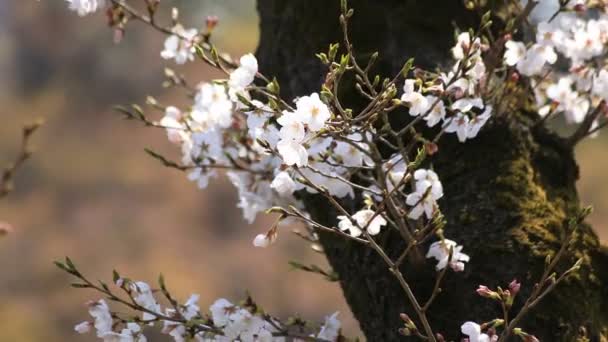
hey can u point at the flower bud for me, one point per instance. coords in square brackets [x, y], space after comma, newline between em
[580, 8]
[485, 292]
[211, 22]
[514, 287]
[431, 148]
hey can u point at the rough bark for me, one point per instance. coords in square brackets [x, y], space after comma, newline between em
[508, 193]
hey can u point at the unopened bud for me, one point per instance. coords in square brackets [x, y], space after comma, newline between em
[514, 287]
[211, 22]
[431, 148]
[485, 292]
[405, 332]
[514, 77]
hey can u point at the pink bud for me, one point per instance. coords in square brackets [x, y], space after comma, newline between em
[514, 77]
[531, 338]
[514, 287]
[212, 22]
[484, 291]
[580, 8]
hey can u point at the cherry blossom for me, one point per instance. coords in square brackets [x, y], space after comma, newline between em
[85, 7]
[144, 297]
[363, 219]
[331, 329]
[459, 124]
[437, 113]
[464, 45]
[83, 328]
[515, 52]
[440, 250]
[421, 204]
[418, 103]
[312, 112]
[100, 311]
[428, 179]
[473, 331]
[180, 46]
[283, 184]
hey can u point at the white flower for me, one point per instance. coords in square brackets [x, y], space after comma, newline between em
[83, 327]
[201, 177]
[437, 113]
[262, 241]
[600, 84]
[466, 104]
[190, 309]
[366, 218]
[243, 76]
[212, 107]
[256, 329]
[292, 133]
[420, 202]
[312, 111]
[180, 45]
[549, 34]
[293, 153]
[283, 184]
[418, 103]
[254, 195]
[476, 69]
[575, 107]
[477, 122]
[220, 312]
[103, 318]
[174, 128]
[249, 63]
[535, 59]
[239, 321]
[363, 219]
[292, 127]
[396, 169]
[440, 250]
[353, 152]
[132, 333]
[473, 330]
[257, 118]
[84, 7]
[330, 329]
[325, 176]
[464, 46]
[460, 125]
[210, 94]
[144, 297]
[462, 84]
[514, 53]
[345, 224]
[428, 178]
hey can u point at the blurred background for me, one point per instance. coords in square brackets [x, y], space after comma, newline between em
[90, 191]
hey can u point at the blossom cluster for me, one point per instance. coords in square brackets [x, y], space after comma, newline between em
[224, 321]
[565, 61]
[275, 152]
[462, 85]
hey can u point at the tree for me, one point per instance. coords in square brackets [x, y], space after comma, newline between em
[510, 194]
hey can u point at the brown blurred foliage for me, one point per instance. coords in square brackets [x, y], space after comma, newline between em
[90, 191]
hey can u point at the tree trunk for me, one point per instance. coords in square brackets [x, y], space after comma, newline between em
[508, 193]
